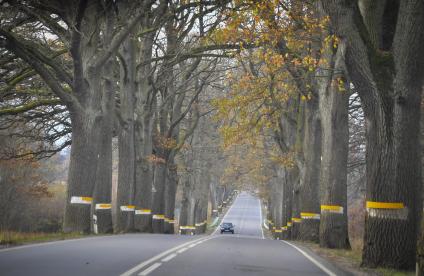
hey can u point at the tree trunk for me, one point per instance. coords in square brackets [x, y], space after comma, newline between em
[158, 206]
[212, 197]
[309, 199]
[389, 82]
[185, 213]
[170, 191]
[81, 174]
[393, 168]
[335, 138]
[145, 105]
[102, 195]
[126, 170]
[420, 244]
[287, 201]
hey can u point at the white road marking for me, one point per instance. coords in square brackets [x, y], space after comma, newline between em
[182, 250]
[192, 245]
[161, 255]
[170, 257]
[315, 262]
[150, 269]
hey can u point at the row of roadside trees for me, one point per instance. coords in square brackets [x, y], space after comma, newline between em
[86, 72]
[294, 92]
[83, 72]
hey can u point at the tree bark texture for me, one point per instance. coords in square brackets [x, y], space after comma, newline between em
[309, 187]
[389, 82]
[125, 208]
[333, 108]
[144, 120]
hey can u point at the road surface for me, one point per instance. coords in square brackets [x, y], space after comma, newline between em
[244, 253]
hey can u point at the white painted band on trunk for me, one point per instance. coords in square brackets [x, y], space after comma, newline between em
[305, 215]
[334, 209]
[143, 212]
[400, 214]
[103, 206]
[81, 200]
[187, 227]
[127, 208]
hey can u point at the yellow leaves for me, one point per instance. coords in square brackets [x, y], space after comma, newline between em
[286, 160]
[165, 142]
[331, 40]
[306, 97]
[340, 84]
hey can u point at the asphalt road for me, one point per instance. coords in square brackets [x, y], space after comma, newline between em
[244, 253]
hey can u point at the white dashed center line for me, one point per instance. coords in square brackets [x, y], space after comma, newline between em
[169, 257]
[150, 269]
[182, 250]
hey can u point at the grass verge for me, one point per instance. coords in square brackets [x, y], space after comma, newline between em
[10, 238]
[350, 260]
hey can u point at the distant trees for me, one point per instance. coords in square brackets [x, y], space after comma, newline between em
[31, 195]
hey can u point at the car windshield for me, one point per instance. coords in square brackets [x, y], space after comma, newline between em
[227, 224]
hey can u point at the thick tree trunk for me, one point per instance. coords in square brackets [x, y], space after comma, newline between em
[82, 173]
[102, 196]
[185, 221]
[335, 138]
[125, 208]
[212, 197]
[158, 206]
[277, 203]
[170, 191]
[420, 244]
[389, 83]
[145, 105]
[291, 177]
[393, 168]
[309, 187]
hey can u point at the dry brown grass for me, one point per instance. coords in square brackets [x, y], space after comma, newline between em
[350, 260]
[10, 238]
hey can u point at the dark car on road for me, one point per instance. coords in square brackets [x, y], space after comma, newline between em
[227, 227]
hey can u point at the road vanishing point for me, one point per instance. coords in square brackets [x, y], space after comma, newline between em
[247, 252]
